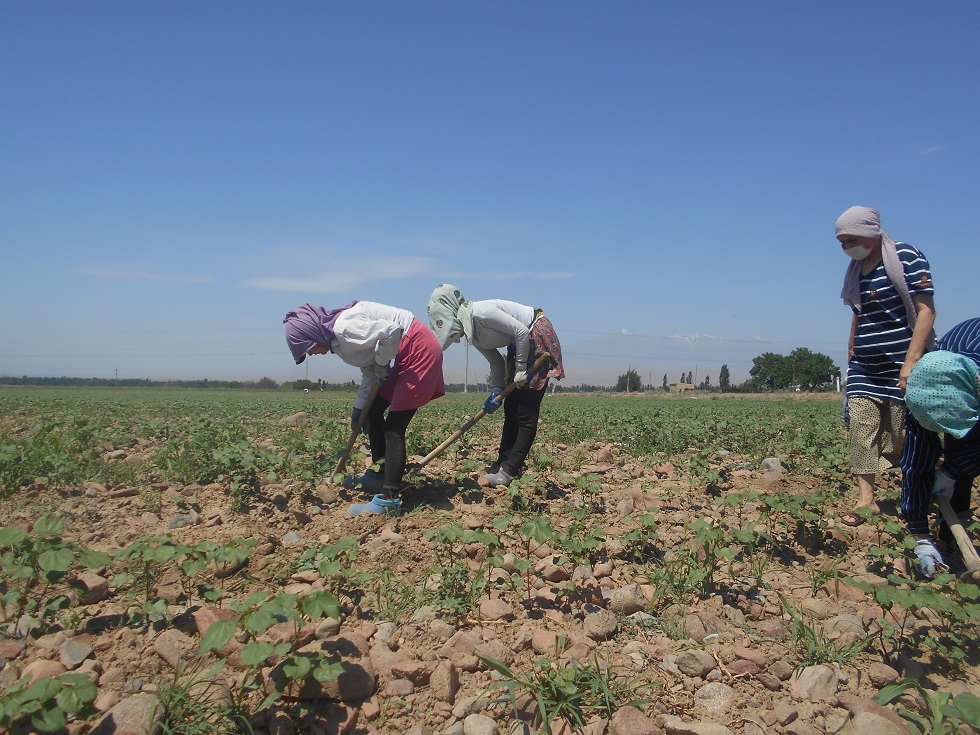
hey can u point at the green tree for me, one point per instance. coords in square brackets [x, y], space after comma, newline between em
[724, 379]
[800, 369]
[706, 383]
[770, 371]
[812, 370]
[666, 386]
[629, 382]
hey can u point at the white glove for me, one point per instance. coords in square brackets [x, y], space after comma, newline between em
[943, 485]
[382, 371]
[520, 379]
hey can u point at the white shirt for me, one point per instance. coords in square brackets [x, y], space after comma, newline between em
[496, 324]
[366, 335]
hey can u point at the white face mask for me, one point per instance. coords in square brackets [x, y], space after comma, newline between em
[858, 252]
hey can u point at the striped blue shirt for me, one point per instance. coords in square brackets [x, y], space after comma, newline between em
[883, 333]
[963, 339]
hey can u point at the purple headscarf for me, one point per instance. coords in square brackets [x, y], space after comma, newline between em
[309, 326]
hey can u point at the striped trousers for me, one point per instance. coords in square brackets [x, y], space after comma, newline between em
[923, 449]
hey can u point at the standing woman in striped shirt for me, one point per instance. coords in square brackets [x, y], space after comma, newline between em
[889, 289]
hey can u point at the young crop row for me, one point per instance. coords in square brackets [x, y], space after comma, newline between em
[730, 544]
[69, 437]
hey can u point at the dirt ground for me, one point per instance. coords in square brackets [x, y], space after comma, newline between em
[729, 652]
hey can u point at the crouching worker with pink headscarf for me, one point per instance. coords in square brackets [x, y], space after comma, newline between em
[371, 336]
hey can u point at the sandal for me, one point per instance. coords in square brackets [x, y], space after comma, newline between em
[854, 518]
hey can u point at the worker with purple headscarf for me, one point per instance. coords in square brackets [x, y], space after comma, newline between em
[392, 347]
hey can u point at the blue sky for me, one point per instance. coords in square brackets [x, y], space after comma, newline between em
[661, 177]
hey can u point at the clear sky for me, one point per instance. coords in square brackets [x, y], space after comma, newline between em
[661, 177]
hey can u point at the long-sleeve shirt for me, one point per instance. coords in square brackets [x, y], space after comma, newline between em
[366, 335]
[498, 323]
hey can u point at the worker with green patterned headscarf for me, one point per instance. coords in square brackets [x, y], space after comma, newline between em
[943, 401]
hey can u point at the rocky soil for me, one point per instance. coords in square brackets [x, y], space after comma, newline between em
[704, 662]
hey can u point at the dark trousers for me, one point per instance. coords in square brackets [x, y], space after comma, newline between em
[387, 436]
[521, 410]
[920, 455]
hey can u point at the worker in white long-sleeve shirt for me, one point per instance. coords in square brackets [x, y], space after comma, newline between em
[388, 345]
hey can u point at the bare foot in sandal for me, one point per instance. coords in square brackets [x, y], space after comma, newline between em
[859, 515]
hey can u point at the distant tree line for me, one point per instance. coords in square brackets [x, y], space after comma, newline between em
[261, 384]
[800, 370]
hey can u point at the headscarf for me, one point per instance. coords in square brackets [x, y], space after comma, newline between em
[450, 314]
[859, 221]
[865, 222]
[309, 326]
[942, 393]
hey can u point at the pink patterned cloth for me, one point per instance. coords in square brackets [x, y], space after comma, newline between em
[544, 339]
[416, 377]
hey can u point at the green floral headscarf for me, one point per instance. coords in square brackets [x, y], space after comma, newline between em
[450, 315]
[942, 393]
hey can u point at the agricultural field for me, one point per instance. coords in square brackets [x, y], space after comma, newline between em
[182, 561]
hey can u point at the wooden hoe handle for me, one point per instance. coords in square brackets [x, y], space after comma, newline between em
[356, 430]
[967, 550]
[479, 414]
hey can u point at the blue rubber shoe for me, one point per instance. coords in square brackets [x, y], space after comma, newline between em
[379, 506]
[370, 481]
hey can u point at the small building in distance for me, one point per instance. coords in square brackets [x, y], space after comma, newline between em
[681, 387]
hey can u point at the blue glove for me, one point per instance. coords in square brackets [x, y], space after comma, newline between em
[354, 416]
[491, 404]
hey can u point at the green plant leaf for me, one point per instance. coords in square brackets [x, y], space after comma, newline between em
[218, 635]
[78, 692]
[968, 705]
[327, 671]
[254, 653]
[91, 559]
[297, 667]
[48, 526]
[11, 536]
[320, 604]
[56, 560]
[49, 719]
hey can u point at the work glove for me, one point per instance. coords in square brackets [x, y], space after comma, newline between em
[944, 485]
[930, 560]
[521, 378]
[354, 416]
[382, 372]
[492, 403]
